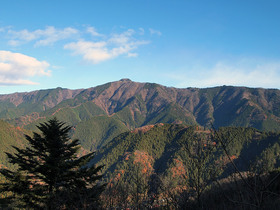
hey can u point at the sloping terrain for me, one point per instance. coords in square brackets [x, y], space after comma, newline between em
[10, 136]
[164, 149]
[126, 105]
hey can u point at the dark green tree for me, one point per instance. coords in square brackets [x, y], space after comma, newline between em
[50, 174]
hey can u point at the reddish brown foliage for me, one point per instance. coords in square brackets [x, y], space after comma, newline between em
[143, 129]
[179, 169]
[145, 160]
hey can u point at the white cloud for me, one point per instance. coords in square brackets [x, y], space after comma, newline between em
[142, 31]
[11, 82]
[262, 75]
[16, 68]
[14, 42]
[155, 32]
[94, 49]
[132, 54]
[44, 37]
[93, 31]
[266, 75]
[114, 46]
[5, 29]
[91, 51]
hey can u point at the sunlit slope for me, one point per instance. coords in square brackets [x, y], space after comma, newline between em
[126, 105]
[10, 136]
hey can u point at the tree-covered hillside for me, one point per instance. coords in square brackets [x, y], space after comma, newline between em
[173, 165]
[166, 143]
[10, 136]
[132, 104]
[178, 162]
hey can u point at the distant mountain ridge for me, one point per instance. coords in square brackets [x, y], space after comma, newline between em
[124, 105]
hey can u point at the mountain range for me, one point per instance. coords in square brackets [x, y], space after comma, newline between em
[148, 130]
[99, 114]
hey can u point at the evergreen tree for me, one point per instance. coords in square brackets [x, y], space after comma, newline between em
[50, 175]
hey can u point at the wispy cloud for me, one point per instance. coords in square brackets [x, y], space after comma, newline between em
[92, 31]
[155, 32]
[265, 75]
[112, 47]
[94, 49]
[17, 68]
[91, 51]
[5, 28]
[44, 37]
[142, 31]
[262, 75]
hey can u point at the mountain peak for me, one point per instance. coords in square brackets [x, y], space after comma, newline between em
[125, 80]
[138, 104]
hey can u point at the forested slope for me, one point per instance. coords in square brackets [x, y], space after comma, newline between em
[125, 105]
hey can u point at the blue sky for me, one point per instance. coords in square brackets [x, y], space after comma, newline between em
[191, 43]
